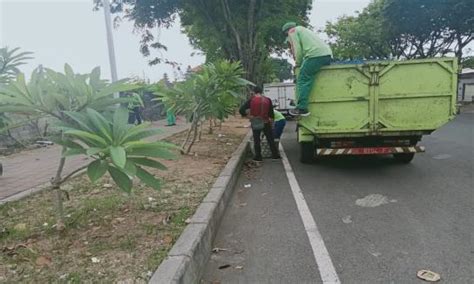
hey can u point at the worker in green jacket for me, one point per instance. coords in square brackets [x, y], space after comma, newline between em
[279, 122]
[310, 54]
[170, 118]
[134, 106]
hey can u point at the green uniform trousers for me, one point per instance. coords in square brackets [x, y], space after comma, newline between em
[306, 78]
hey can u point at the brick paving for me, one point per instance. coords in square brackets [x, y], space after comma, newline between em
[33, 168]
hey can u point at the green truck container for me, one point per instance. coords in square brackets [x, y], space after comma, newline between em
[378, 108]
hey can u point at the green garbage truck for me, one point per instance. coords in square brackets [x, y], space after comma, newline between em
[378, 108]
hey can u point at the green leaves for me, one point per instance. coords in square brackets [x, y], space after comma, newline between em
[407, 29]
[54, 93]
[148, 163]
[150, 150]
[148, 179]
[10, 60]
[97, 169]
[117, 147]
[214, 92]
[119, 157]
[120, 123]
[121, 179]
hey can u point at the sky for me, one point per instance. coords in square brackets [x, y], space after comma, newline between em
[60, 31]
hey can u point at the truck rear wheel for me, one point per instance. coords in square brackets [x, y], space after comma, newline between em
[306, 152]
[404, 158]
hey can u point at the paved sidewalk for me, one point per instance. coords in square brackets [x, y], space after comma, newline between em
[30, 169]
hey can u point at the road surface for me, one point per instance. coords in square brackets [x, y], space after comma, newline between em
[379, 221]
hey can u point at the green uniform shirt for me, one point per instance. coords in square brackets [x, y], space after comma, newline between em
[136, 101]
[277, 116]
[306, 44]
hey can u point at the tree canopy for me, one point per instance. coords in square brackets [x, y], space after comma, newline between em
[10, 60]
[404, 29]
[239, 30]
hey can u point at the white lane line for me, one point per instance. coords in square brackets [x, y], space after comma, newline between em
[320, 252]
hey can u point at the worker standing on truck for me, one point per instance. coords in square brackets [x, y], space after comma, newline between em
[310, 54]
[261, 115]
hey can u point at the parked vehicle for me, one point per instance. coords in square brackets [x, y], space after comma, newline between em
[282, 96]
[378, 108]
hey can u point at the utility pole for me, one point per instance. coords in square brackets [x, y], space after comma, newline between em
[110, 41]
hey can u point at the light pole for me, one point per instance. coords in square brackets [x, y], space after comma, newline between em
[110, 41]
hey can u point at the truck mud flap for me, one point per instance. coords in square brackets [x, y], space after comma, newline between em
[368, 151]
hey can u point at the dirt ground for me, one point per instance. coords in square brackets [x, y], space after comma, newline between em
[111, 236]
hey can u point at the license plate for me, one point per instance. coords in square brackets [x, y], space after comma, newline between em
[371, 151]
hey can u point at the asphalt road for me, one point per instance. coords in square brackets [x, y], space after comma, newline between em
[381, 221]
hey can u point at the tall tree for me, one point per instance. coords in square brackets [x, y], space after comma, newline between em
[431, 27]
[239, 30]
[468, 62]
[282, 69]
[10, 60]
[166, 80]
[362, 36]
[404, 29]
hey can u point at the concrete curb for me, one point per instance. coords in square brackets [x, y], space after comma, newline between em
[25, 193]
[190, 253]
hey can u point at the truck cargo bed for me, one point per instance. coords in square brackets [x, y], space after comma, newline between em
[400, 98]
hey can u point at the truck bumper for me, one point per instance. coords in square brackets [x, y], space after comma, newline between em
[368, 151]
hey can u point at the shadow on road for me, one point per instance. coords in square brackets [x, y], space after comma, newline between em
[357, 162]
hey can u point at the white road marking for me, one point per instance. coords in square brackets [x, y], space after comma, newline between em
[320, 252]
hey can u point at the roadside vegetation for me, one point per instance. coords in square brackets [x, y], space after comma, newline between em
[119, 218]
[110, 235]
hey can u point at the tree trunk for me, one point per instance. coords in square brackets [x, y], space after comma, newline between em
[211, 130]
[194, 127]
[57, 188]
[200, 130]
[45, 130]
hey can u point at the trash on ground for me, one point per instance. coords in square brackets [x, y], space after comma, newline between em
[95, 260]
[43, 261]
[224, 266]
[428, 275]
[216, 250]
[347, 219]
[239, 267]
[248, 185]
[44, 142]
[108, 185]
[167, 239]
[187, 221]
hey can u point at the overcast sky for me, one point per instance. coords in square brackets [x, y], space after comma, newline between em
[69, 31]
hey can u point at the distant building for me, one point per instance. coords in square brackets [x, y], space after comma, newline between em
[466, 86]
